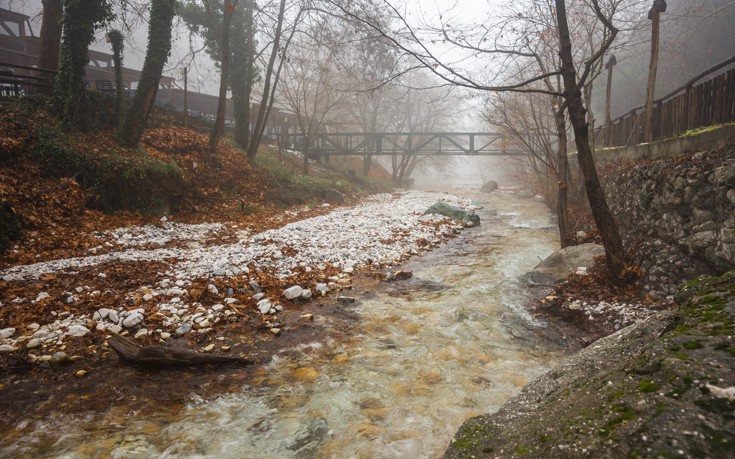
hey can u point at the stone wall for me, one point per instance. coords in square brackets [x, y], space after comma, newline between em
[676, 216]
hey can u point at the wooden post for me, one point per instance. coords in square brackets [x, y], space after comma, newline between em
[608, 121]
[659, 6]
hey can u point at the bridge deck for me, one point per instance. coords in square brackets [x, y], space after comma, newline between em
[403, 143]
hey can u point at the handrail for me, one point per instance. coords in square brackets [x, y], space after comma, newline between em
[26, 67]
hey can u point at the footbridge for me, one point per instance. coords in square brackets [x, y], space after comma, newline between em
[403, 143]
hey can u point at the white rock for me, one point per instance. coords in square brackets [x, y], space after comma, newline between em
[133, 320]
[306, 294]
[41, 296]
[7, 333]
[175, 300]
[78, 330]
[114, 329]
[292, 293]
[322, 288]
[230, 300]
[264, 306]
[34, 326]
[258, 296]
[113, 317]
[101, 275]
[142, 332]
[34, 343]
[147, 297]
[165, 335]
[101, 313]
[208, 348]
[212, 289]
[7, 349]
[217, 307]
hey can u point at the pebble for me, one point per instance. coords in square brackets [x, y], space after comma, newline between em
[34, 343]
[217, 307]
[113, 317]
[230, 300]
[78, 330]
[208, 348]
[292, 293]
[58, 358]
[306, 294]
[7, 333]
[114, 328]
[165, 335]
[276, 331]
[264, 306]
[141, 333]
[133, 320]
[258, 296]
[183, 329]
[7, 348]
[212, 289]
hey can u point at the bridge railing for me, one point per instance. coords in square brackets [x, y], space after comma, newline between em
[401, 143]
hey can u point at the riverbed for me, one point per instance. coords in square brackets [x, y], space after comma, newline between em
[423, 355]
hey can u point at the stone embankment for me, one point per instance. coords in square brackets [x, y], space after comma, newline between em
[660, 388]
[677, 216]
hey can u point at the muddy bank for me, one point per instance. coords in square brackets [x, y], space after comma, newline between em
[659, 388]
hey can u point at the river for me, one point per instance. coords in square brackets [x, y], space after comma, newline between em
[451, 342]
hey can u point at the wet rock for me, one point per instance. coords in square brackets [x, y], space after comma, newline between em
[455, 213]
[566, 261]
[489, 186]
[59, 358]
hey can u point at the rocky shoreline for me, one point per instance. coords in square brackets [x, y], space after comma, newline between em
[663, 387]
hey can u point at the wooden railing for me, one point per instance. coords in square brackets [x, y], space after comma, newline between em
[688, 107]
[17, 80]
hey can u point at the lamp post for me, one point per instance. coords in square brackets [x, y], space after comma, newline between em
[659, 6]
[185, 74]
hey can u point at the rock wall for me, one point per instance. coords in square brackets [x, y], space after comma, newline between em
[676, 216]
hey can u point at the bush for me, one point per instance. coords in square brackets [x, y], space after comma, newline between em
[11, 225]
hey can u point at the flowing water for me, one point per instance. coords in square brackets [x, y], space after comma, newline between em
[429, 352]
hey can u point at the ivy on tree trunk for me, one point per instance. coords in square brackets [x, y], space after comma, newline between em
[81, 18]
[159, 47]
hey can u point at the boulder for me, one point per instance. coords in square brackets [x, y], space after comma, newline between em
[564, 262]
[334, 196]
[525, 194]
[455, 213]
[489, 186]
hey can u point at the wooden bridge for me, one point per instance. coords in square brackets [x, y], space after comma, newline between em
[402, 143]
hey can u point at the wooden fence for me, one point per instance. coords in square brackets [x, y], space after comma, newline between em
[689, 107]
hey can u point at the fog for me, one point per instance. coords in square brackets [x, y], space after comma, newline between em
[695, 35]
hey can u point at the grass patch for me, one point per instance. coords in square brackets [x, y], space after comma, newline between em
[648, 386]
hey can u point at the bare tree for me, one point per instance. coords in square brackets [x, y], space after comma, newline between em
[508, 52]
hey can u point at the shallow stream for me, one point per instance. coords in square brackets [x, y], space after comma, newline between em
[451, 342]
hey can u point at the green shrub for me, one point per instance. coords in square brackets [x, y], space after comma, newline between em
[11, 225]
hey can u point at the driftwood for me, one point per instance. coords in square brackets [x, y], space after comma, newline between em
[131, 352]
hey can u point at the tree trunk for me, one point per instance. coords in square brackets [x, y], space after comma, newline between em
[159, 46]
[241, 78]
[563, 179]
[263, 112]
[653, 67]
[116, 40]
[367, 162]
[48, 51]
[81, 17]
[614, 253]
[157, 356]
[219, 122]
